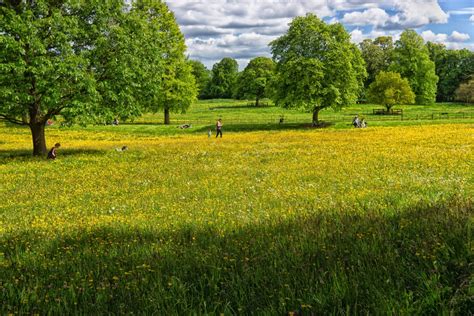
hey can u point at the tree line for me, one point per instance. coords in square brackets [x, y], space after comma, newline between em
[434, 72]
[94, 61]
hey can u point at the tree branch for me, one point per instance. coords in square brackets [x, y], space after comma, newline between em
[12, 120]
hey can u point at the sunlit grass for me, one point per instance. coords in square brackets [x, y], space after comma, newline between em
[372, 220]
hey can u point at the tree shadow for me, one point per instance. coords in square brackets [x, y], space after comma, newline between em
[23, 154]
[223, 107]
[414, 261]
[249, 127]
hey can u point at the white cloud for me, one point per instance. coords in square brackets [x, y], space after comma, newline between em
[471, 18]
[469, 10]
[429, 36]
[459, 37]
[374, 16]
[242, 29]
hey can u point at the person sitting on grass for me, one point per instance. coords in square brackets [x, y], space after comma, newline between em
[52, 152]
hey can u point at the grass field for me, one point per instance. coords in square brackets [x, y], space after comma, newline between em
[344, 221]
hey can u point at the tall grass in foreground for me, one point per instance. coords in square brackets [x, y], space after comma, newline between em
[358, 221]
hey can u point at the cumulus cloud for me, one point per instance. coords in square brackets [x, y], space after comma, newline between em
[459, 37]
[242, 29]
[456, 40]
[373, 16]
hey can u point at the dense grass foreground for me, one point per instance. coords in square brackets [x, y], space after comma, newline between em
[355, 221]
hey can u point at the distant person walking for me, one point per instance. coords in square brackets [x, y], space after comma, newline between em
[219, 128]
[52, 152]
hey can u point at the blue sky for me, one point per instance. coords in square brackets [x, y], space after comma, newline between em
[242, 29]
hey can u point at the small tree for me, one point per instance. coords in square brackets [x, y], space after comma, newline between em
[465, 92]
[254, 80]
[390, 89]
[317, 66]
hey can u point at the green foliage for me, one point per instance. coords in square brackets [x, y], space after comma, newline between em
[89, 61]
[202, 77]
[377, 55]
[254, 81]
[224, 78]
[390, 89]
[411, 60]
[452, 67]
[317, 66]
[465, 92]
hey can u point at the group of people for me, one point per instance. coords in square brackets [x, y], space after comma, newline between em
[359, 123]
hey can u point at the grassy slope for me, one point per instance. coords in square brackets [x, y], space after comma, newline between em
[326, 220]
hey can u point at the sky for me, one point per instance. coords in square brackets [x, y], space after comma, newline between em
[242, 29]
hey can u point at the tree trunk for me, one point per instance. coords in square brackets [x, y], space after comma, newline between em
[315, 117]
[39, 140]
[167, 116]
[388, 107]
[257, 102]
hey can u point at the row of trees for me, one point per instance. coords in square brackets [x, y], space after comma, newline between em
[433, 71]
[91, 61]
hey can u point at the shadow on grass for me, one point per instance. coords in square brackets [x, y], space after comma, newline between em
[249, 127]
[414, 262]
[223, 107]
[21, 154]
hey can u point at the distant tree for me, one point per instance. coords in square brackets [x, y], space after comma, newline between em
[202, 76]
[377, 55]
[177, 89]
[390, 89]
[88, 61]
[452, 67]
[465, 92]
[254, 81]
[317, 66]
[224, 77]
[411, 60]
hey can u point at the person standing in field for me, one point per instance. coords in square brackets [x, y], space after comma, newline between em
[52, 152]
[219, 128]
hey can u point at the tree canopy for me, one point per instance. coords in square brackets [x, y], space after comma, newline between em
[88, 61]
[202, 76]
[316, 66]
[390, 89]
[453, 67]
[377, 55]
[412, 60]
[255, 80]
[224, 77]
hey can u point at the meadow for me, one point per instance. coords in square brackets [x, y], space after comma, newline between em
[317, 221]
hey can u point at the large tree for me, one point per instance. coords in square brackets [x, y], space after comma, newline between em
[411, 59]
[390, 89]
[224, 78]
[452, 67]
[317, 66]
[254, 81]
[377, 55]
[87, 61]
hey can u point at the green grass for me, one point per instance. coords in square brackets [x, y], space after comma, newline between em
[267, 220]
